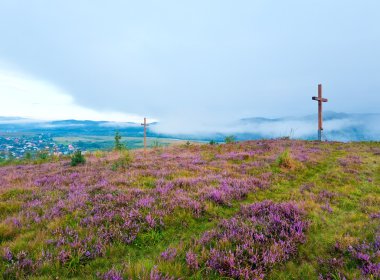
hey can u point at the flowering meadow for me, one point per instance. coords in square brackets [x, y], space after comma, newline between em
[273, 209]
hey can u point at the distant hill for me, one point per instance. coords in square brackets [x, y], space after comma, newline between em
[337, 126]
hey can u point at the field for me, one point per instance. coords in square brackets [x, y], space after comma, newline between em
[91, 143]
[273, 209]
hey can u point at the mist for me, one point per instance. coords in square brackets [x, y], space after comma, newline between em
[337, 127]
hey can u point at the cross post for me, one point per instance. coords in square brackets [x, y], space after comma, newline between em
[145, 126]
[320, 100]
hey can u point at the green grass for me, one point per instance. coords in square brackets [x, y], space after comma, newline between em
[93, 143]
[357, 195]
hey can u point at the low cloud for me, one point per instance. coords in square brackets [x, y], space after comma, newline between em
[340, 127]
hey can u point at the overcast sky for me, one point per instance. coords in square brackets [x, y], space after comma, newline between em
[187, 61]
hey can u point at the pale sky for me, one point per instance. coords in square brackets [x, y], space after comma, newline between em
[187, 61]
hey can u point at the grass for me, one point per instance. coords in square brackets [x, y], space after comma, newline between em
[355, 189]
[92, 143]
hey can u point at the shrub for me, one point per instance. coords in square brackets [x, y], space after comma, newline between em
[286, 161]
[118, 145]
[212, 142]
[77, 158]
[247, 245]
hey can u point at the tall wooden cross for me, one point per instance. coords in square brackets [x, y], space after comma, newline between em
[320, 118]
[145, 125]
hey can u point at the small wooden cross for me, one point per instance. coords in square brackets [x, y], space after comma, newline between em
[320, 118]
[145, 126]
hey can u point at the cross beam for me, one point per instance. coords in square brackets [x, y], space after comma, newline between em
[320, 100]
[145, 126]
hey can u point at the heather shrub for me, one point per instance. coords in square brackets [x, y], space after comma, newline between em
[77, 158]
[367, 255]
[246, 246]
[112, 274]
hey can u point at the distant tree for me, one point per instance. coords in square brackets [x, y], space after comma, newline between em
[230, 139]
[43, 155]
[156, 144]
[212, 142]
[11, 157]
[77, 158]
[118, 145]
[28, 156]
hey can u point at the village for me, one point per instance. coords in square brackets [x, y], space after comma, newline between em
[17, 147]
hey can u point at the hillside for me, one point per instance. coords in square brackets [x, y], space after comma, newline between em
[273, 209]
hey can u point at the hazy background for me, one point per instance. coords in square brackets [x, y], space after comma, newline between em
[196, 64]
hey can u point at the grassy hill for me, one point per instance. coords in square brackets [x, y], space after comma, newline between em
[275, 209]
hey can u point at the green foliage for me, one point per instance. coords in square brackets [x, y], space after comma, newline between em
[230, 139]
[213, 142]
[118, 145]
[43, 155]
[77, 158]
[28, 156]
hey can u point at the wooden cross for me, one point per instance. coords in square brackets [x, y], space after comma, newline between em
[145, 125]
[320, 118]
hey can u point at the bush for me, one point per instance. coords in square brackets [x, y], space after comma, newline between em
[212, 142]
[286, 161]
[77, 158]
[118, 145]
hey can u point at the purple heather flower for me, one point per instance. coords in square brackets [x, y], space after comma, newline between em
[8, 256]
[169, 254]
[112, 275]
[192, 260]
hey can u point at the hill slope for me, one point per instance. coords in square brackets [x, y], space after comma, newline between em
[259, 209]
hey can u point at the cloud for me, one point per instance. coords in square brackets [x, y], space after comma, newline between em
[27, 97]
[186, 61]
